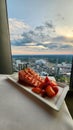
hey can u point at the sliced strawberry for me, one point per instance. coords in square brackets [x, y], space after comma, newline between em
[41, 85]
[43, 93]
[47, 80]
[45, 83]
[36, 90]
[56, 89]
[53, 83]
[50, 92]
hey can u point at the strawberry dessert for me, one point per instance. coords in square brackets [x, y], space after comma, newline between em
[43, 86]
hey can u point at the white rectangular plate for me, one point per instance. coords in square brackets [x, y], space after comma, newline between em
[54, 103]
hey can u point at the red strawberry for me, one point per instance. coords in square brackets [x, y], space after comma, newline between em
[50, 92]
[56, 89]
[44, 84]
[53, 83]
[36, 90]
[47, 80]
[43, 93]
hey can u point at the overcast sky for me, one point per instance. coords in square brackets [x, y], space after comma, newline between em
[41, 26]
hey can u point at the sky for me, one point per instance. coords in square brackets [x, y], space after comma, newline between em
[41, 26]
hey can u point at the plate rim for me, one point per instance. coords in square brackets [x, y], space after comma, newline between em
[55, 106]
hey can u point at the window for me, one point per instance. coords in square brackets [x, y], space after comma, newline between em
[41, 36]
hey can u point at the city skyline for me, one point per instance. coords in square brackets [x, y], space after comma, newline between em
[41, 27]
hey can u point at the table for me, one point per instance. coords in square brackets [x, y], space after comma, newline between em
[21, 111]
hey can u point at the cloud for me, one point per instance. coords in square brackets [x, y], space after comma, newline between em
[39, 28]
[59, 39]
[60, 17]
[49, 25]
[63, 40]
[17, 27]
[52, 45]
[41, 39]
[66, 47]
[22, 34]
[60, 46]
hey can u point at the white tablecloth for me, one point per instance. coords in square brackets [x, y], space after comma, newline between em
[21, 111]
